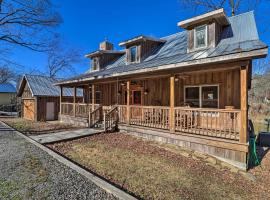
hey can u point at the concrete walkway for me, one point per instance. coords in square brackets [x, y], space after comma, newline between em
[65, 135]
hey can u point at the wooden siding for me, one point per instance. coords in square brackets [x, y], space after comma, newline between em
[26, 92]
[28, 109]
[42, 107]
[158, 89]
[144, 49]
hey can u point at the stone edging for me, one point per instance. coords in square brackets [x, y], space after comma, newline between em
[96, 180]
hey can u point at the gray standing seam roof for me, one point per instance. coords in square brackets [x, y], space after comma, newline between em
[240, 36]
[44, 86]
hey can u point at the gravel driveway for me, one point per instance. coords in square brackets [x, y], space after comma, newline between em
[27, 172]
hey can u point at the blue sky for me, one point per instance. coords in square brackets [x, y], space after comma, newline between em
[87, 23]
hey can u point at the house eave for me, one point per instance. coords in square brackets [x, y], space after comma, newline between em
[101, 52]
[141, 38]
[260, 53]
[219, 15]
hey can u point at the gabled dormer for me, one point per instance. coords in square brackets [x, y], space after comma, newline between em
[104, 56]
[204, 31]
[139, 48]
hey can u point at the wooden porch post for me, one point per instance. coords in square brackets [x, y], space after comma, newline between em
[74, 100]
[61, 96]
[244, 114]
[93, 96]
[172, 104]
[128, 102]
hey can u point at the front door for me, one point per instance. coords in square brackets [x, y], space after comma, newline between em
[50, 111]
[136, 97]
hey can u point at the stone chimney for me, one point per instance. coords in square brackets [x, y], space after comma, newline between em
[106, 45]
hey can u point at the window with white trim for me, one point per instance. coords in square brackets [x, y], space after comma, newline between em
[203, 96]
[200, 37]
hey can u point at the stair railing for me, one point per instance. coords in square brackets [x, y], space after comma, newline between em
[95, 116]
[111, 119]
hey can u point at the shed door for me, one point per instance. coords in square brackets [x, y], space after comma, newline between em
[50, 111]
[29, 109]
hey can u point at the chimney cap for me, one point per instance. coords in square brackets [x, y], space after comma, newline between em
[105, 45]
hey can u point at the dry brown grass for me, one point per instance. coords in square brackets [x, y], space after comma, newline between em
[30, 127]
[153, 172]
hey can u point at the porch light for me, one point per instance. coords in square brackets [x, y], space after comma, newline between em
[146, 92]
[122, 84]
[176, 79]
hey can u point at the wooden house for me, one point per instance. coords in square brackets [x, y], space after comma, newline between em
[189, 88]
[7, 94]
[40, 98]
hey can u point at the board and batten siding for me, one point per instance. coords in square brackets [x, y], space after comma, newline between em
[159, 89]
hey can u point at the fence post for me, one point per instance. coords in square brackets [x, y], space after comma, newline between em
[128, 102]
[243, 84]
[172, 104]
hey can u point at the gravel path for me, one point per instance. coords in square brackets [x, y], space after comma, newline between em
[27, 172]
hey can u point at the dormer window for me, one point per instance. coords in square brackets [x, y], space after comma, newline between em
[95, 64]
[133, 54]
[200, 39]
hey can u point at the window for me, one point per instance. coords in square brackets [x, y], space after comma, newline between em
[202, 96]
[193, 96]
[95, 64]
[200, 37]
[97, 97]
[209, 97]
[133, 54]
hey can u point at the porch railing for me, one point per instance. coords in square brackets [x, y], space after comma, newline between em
[82, 109]
[67, 108]
[111, 119]
[150, 116]
[95, 116]
[221, 123]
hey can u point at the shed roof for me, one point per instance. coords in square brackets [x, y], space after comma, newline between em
[239, 37]
[44, 86]
[7, 88]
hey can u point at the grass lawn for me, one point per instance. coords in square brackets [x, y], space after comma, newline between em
[154, 171]
[30, 127]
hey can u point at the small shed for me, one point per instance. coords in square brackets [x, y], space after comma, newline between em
[41, 98]
[7, 94]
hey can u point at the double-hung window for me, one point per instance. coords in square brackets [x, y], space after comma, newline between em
[200, 37]
[204, 96]
[133, 54]
[95, 64]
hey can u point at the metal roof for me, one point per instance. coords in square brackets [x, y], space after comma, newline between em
[240, 36]
[7, 88]
[44, 86]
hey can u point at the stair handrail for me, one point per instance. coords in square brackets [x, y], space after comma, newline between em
[92, 116]
[111, 119]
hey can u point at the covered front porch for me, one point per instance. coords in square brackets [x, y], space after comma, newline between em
[211, 103]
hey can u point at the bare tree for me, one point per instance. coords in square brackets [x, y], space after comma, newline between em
[61, 58]
[27, 23]
[231, 6]
[6, 75]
